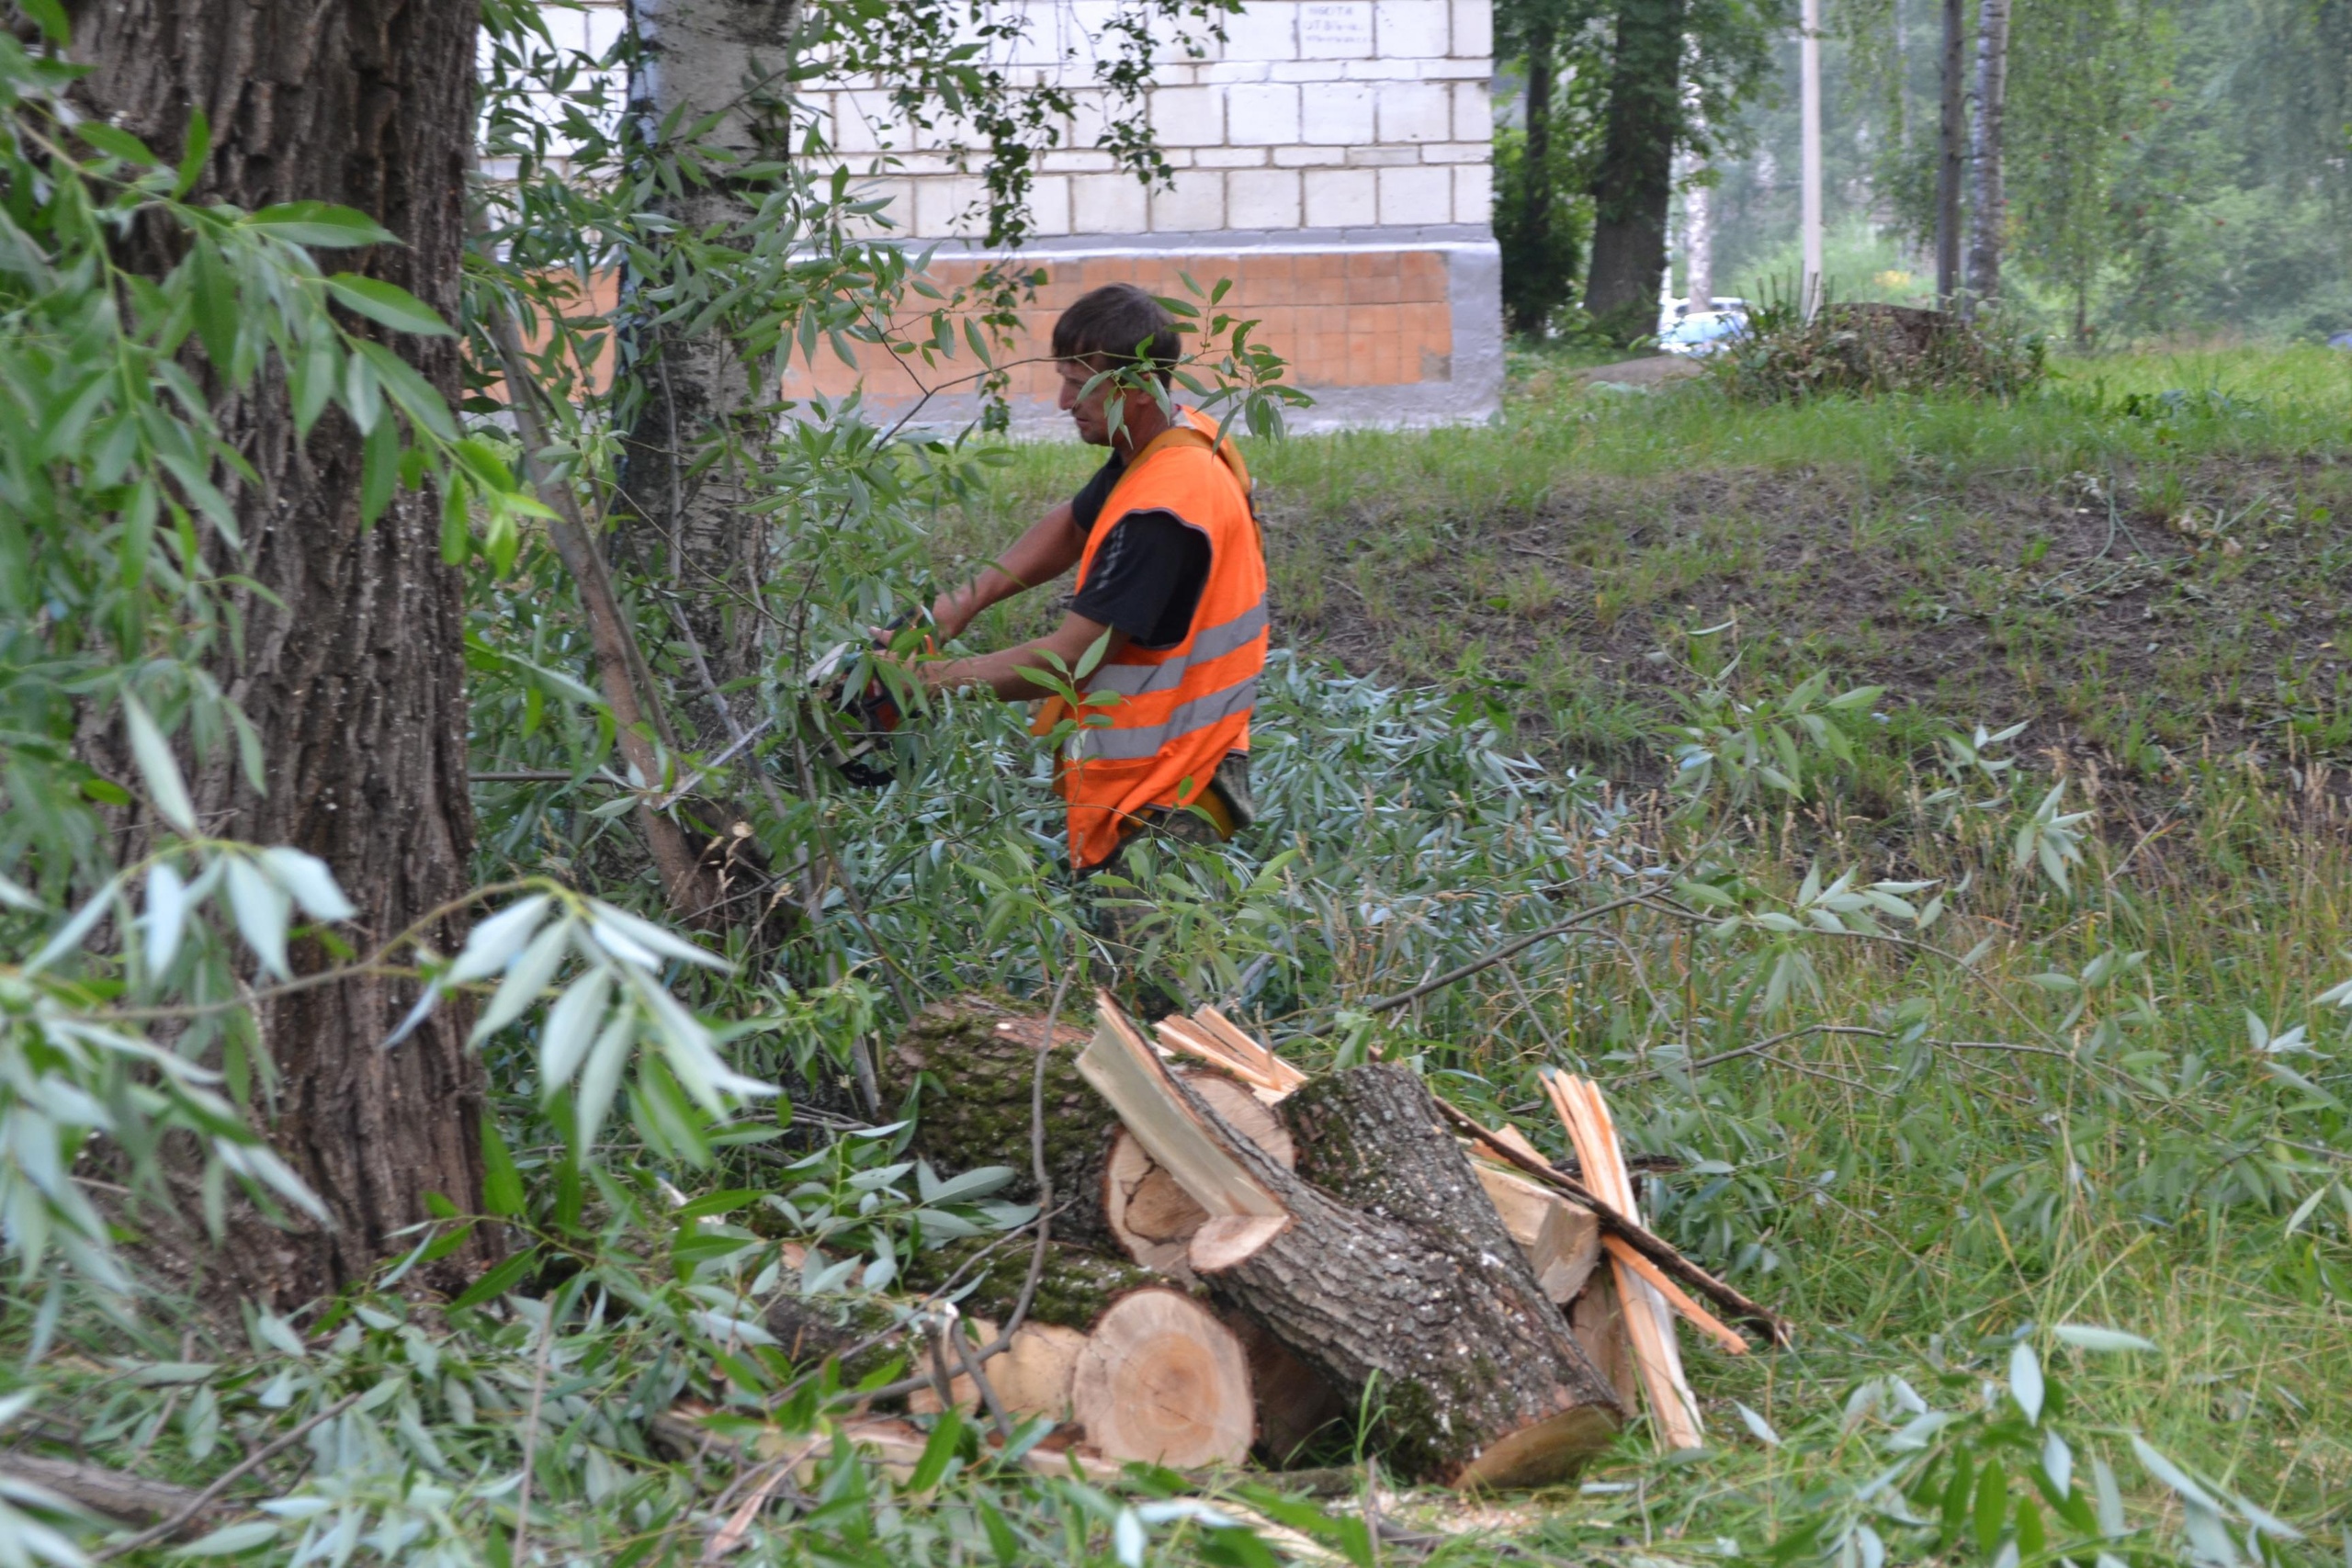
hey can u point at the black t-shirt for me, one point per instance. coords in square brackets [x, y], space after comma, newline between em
[1149, 574]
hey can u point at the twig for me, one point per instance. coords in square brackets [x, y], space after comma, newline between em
[1509, 949]
[1759, 1048]
[987, 1390]
[531, 1441]
[235, 1472]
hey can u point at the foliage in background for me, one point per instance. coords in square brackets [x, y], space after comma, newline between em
[1868, 348]
[2174, 166]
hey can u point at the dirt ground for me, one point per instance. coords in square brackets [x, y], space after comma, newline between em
[2198, 615]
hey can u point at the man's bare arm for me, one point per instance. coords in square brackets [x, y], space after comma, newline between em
[1003, 673]
[1049, 548]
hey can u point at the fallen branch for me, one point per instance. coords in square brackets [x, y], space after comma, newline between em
[1759, 1048]
[196, 1505]
[110, 1493]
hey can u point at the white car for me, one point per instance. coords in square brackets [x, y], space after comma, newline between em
[1702, 333]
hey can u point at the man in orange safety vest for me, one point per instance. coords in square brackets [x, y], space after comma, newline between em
[1171, 571]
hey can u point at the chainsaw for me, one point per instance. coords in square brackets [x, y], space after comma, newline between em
[859, 723]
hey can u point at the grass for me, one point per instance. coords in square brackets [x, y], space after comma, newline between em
[2153, 586]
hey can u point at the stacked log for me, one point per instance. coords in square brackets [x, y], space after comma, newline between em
[1243, 1256]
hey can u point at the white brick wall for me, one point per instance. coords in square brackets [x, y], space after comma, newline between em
[1314, 113]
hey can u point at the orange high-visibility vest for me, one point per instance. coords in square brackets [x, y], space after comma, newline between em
[1181, 709]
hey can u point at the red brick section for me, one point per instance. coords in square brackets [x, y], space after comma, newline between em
[1340, 319]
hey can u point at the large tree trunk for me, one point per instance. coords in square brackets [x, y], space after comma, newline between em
[1634, 183]
[351, 664]
[1988, 220]
[692, 391]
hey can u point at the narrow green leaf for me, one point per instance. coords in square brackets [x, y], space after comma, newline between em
[380, 470]
[501, 1184]
[215, 302]
[261, 908]
[320, 223]
[198, 148]
[497, 1281]
[51, 17]
[938, 1453]
[388, 303]
[157, 766]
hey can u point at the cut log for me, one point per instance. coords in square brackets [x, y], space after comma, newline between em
[1031, 1376]
[1146, 1207]
[1242, 1044]
[863, 1334]
[1163, 1381]
[1075, 1288]
[1562, 1240]
[979, 1057]
[1479, 1377]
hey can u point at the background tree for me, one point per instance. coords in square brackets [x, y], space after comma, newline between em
[351, 661]
[1988, 207]
[1725, 46]
[2080, 85]
[1542, 164]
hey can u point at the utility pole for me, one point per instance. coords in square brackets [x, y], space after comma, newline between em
[1809, 67]
[1948, 167]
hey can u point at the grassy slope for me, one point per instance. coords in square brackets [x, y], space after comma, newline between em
[1917, 1209]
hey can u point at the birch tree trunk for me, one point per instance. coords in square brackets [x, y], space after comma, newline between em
[351, 664]
[703, 412]
[1950, 155]
[1990, 211]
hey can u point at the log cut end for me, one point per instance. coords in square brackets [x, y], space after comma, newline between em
[1541, 1455]
[1232, 1239]
[1032, 1377]
[1163, 1381]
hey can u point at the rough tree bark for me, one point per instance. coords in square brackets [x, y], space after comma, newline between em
[1990, 210]
[1634, 182]
[701, 58]
[352, 662]
[1950, 156]
[1396, 1269]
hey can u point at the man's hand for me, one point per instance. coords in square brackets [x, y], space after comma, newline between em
[1010, 674]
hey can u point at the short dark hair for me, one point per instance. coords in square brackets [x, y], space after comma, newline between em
[1121, 324]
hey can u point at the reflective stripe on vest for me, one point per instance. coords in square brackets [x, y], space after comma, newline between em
[1178, 710]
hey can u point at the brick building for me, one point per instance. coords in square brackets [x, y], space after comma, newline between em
[1333, 159]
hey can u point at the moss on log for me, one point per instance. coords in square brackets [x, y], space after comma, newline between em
[972, 1062]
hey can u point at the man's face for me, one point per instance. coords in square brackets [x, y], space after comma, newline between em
[1088, 410]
